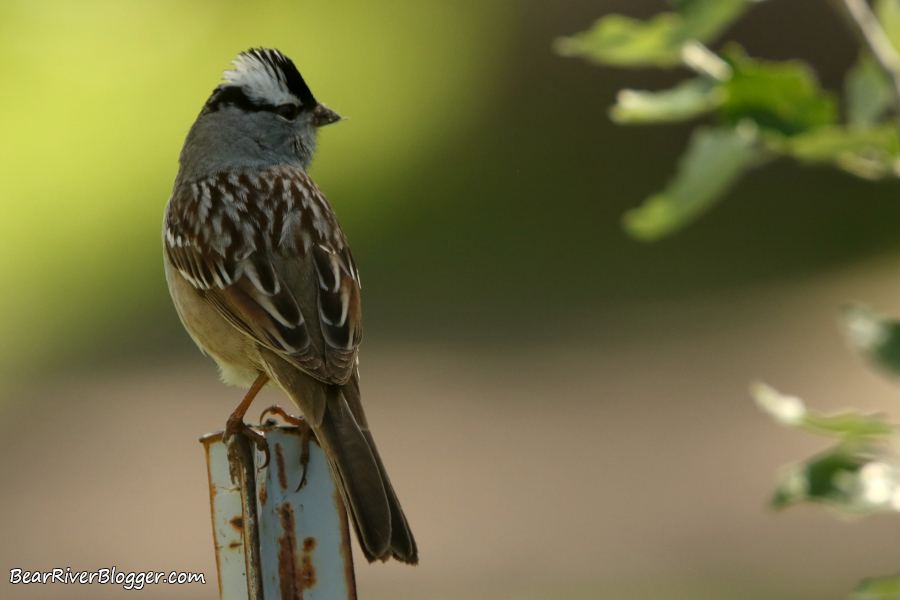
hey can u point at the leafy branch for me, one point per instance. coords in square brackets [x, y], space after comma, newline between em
[759, 110]
[860, 474]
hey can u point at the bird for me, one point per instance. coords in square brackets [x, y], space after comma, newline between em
[263, 279]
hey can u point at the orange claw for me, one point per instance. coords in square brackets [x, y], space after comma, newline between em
[288, 418]
[305, 432]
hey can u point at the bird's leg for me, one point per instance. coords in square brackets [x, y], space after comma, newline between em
[305, 433]
[236, 426]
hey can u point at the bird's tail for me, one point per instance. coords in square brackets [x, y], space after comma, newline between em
[374, 509]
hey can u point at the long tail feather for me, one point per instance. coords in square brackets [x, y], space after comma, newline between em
[403, 545]
[357, 475]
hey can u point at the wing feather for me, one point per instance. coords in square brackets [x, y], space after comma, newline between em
[339, 302]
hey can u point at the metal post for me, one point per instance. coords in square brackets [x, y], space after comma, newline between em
[298, 539]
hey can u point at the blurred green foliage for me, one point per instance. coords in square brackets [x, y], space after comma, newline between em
[867, 90]
[789, 112]
[878, 588]
[690, 98]
[877, 338]
[780, 98]
[860, 473]
[764, 110]
[856, 476]
[626, 42]
[715, 158]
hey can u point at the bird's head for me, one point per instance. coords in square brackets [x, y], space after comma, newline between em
[264, 113]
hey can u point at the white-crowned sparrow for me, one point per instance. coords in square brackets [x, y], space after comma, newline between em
[264, 282]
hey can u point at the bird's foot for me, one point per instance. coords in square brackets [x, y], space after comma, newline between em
[305, 433]
[235, 426]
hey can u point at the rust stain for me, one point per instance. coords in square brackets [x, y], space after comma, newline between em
[306, 573]
[212, 489]
[238, 523]
[234, 545]
[279, 460]
[294, 577]
[263, 494]
[309, 544]
[287, 552]
[349, 574]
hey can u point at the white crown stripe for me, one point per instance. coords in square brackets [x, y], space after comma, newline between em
[259, 79]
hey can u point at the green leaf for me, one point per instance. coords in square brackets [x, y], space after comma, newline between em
[828, 143]
[867, 151]
[714, 160]
[686, 100]
[888, 12]
[877, 338]
[825, 478]
[790, 411]
[878, 588]
[854, 480]
[705, 20]
[868, 91]
[783, 97]
[849, 425]
[625, 42]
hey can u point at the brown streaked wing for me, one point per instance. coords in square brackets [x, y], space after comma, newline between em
[251, 295]
[241, 280]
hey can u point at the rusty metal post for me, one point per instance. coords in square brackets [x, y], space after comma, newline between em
[274, 539]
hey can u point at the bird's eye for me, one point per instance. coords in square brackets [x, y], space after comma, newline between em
[288, 111]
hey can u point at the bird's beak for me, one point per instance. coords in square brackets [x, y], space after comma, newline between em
[322, 115]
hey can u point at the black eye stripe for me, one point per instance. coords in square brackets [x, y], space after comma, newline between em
[235, 96]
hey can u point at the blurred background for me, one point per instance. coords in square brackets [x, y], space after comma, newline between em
[563, 410]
